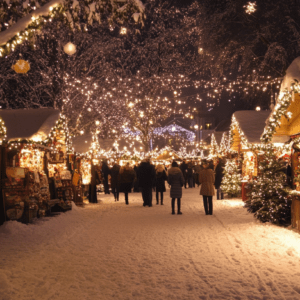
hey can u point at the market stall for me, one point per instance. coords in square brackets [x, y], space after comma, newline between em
[24, 178]
[59, 164]
[86, 166]
[245, 131]
[283, 126]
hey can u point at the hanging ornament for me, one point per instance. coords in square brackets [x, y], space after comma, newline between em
[21, 66]
[70, 48]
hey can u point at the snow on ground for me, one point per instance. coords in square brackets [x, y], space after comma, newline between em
[113, 251]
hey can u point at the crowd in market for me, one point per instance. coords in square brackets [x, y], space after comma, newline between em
[146, 177]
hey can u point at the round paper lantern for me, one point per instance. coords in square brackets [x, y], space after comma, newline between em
[21, 66]
[70, 48]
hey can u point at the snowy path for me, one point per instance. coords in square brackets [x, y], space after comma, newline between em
[113, 251]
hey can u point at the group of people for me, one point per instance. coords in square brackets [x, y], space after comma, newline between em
[146, 177]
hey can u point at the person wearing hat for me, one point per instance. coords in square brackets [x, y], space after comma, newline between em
[176, 181]
[207, 190]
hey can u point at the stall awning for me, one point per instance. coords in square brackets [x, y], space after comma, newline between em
[31, 124]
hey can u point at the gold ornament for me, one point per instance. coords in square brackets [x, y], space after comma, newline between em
[21, 66]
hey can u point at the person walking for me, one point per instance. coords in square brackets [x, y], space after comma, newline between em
[146, 179]
[115, 188]
[207, 180]
[93, 185]
[161, 177]
[176, 181]
[183, 168]
[126, 179]
[219, 173]
[189, 174]
[105, 172]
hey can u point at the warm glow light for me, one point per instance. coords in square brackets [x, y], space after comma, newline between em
[257, 108]
[123, 30]
[70, 48]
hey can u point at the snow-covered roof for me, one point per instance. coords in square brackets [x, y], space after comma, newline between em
[82, 143]
[292, 73]
[24, 22]
[252, 123]
[218, 136]
[32, 124]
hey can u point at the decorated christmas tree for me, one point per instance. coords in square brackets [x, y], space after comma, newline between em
[231, 183]
[268, 197]
[214, 148]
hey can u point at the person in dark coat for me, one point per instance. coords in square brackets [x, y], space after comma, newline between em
[219, 173]
[176, 181]
[161, 177]
[115, 170]
[146, 179]
[126, 179]
[207, 180]
[93, 185]
[105, 172]
[183, 168]
[136, 188]
[189, 174]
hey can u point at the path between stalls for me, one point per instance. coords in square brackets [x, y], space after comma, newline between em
[113, 251]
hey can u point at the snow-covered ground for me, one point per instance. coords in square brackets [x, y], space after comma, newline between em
[113, 251]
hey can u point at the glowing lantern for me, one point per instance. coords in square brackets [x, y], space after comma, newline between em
[123, 30]
[21, 66]
[257, 108]
[70, 48]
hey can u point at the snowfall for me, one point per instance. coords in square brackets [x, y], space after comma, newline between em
[110, 250]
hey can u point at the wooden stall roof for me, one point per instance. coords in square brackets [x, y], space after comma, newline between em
[32, 124]
[251, 123]
[289, 126]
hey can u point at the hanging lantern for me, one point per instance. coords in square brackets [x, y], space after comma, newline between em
[21, 66]
[70, 48]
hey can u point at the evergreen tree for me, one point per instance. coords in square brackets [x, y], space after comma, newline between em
[214, 148]
[268, 197]
[231, 183]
